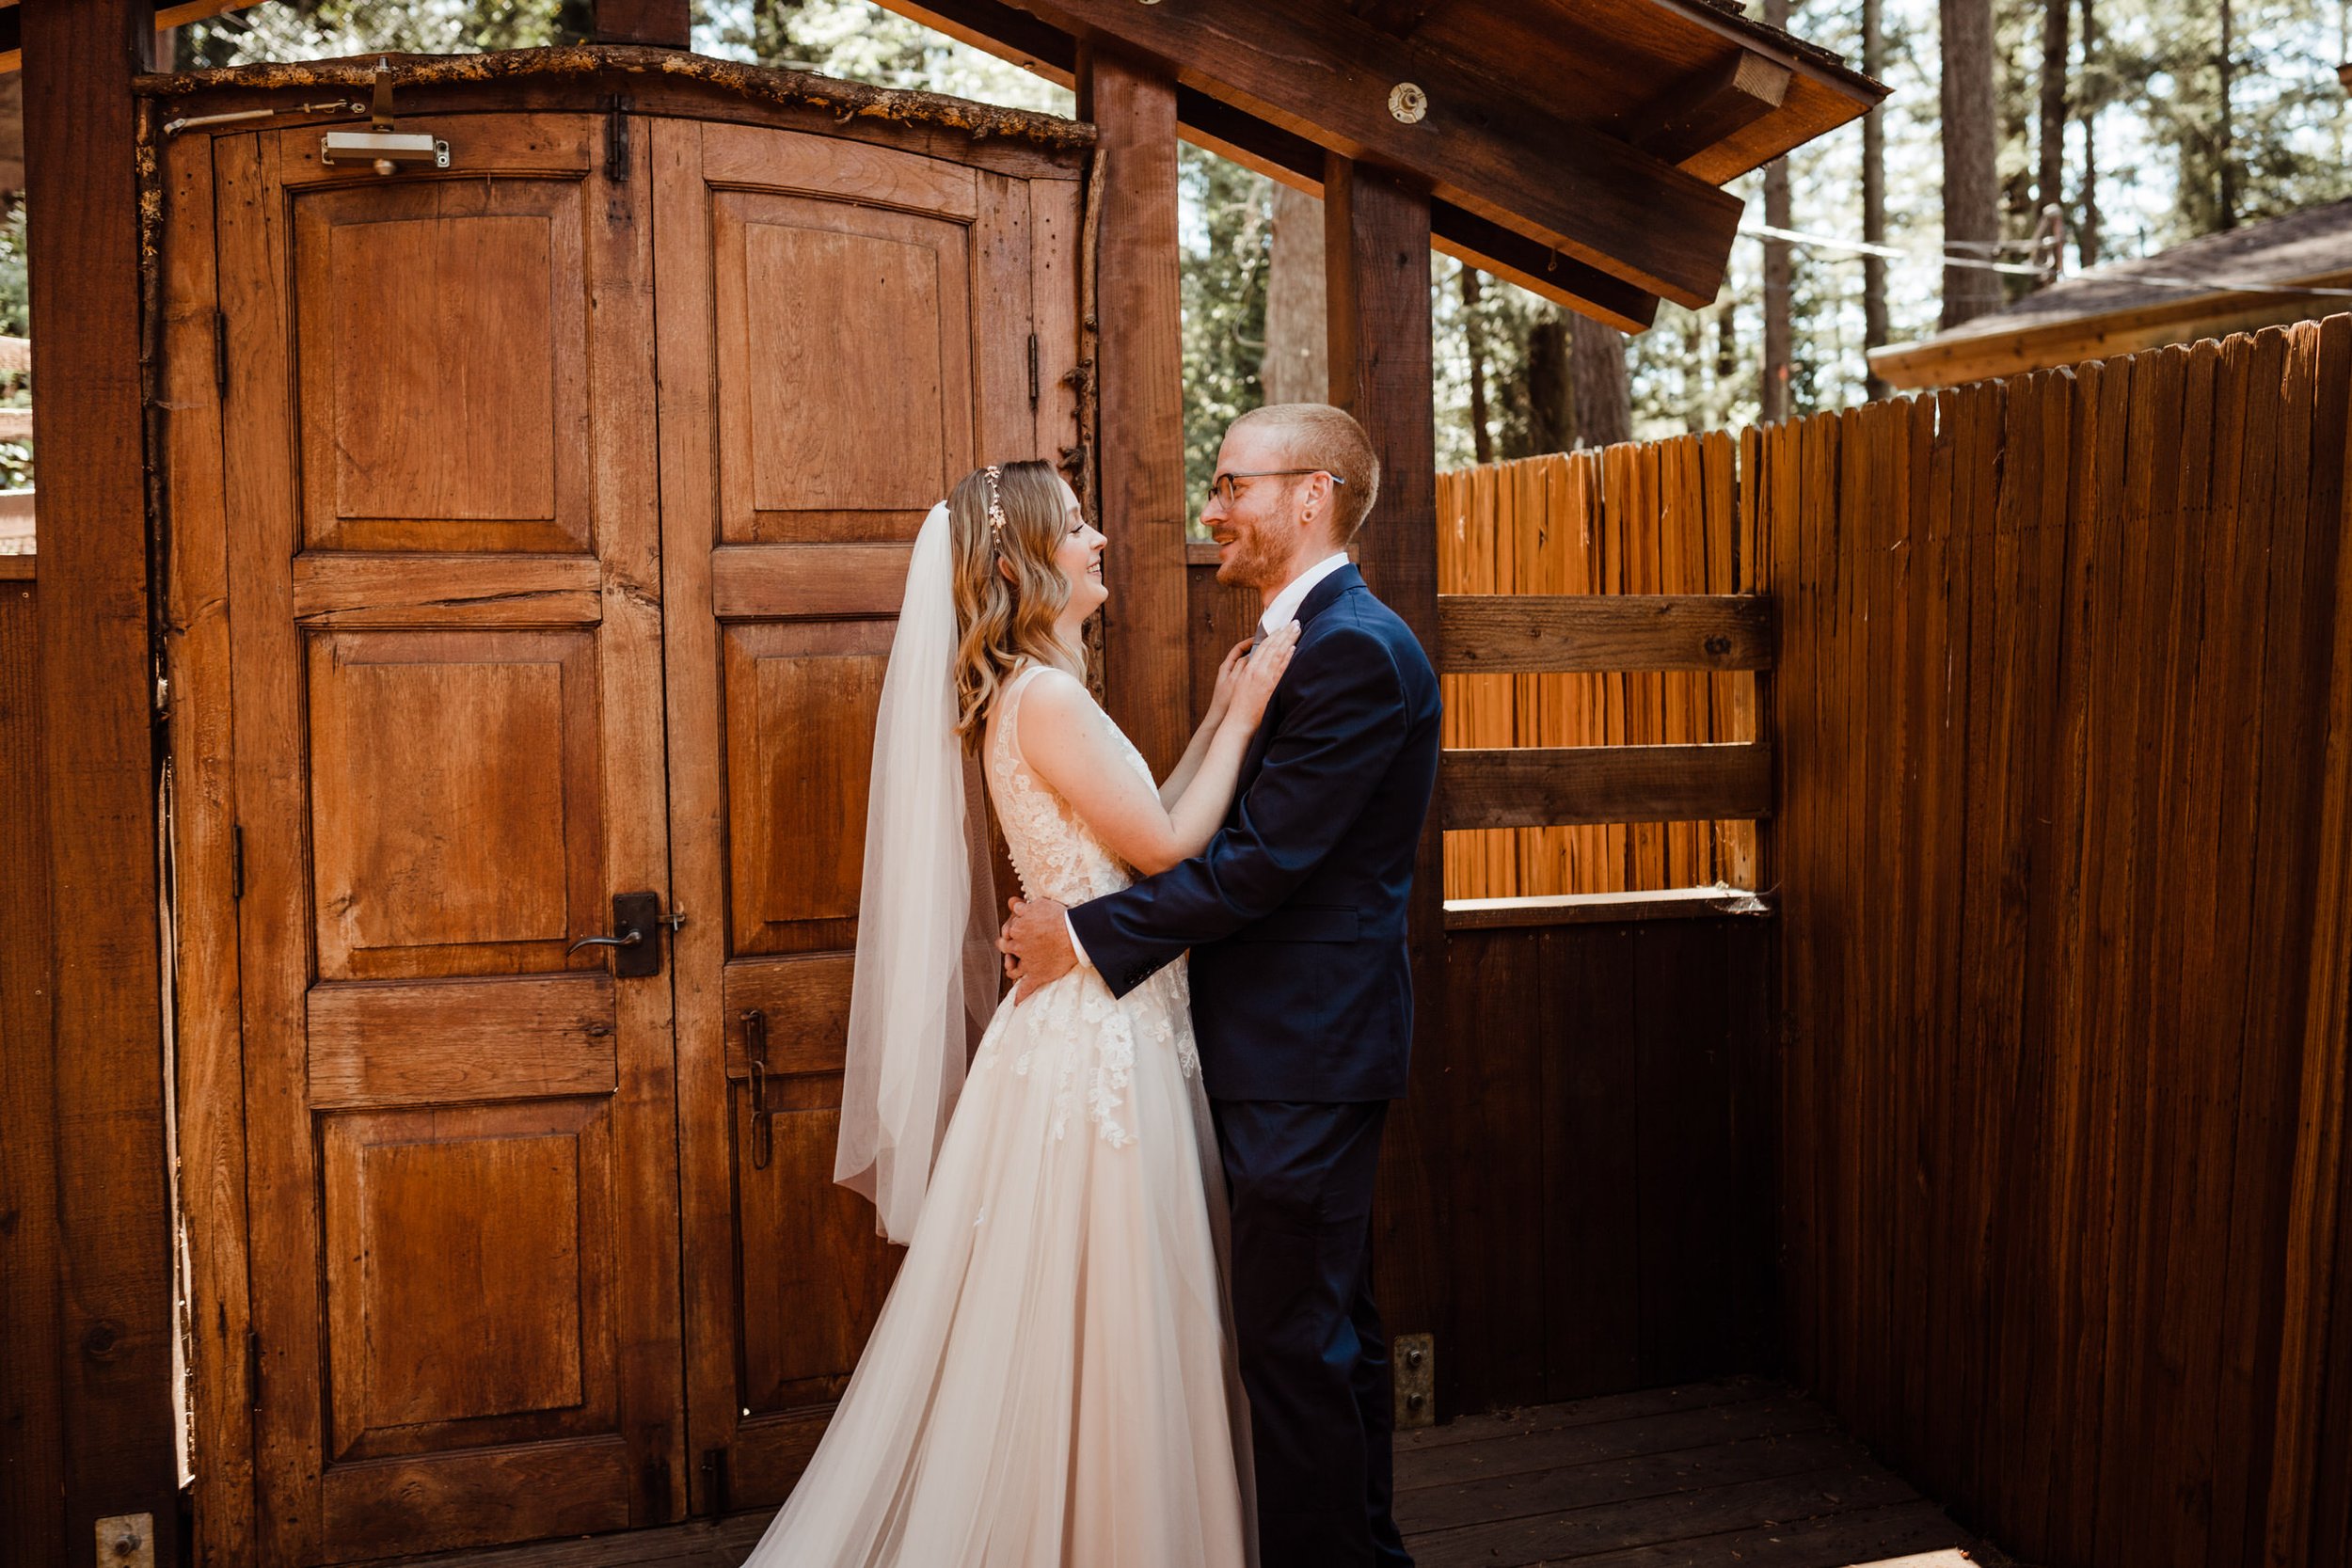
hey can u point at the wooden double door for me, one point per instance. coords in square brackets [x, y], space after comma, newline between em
[564, 500]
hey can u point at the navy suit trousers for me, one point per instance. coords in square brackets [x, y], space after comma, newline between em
[1313, 1354]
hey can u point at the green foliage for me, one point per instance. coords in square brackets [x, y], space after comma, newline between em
[1226, 230]
[322, 29]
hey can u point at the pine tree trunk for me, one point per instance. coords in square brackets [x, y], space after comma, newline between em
[1474, 331]
[1297, 365]
[2221, 134]
[1874, 323]
[1779, 270]
[1695, 373]
[1972, 211]
[1603, 400]
[2050, 178]
[1548, 426]
[2087, 232]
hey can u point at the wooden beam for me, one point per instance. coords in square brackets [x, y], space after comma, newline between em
[662, 23]
[1710, 107]
[1140, 415]
[1609, 633]
[1396, 18]
[1485, 144]
[99, 769]
[1563, 786]
[1375, 255]
[1282, 155]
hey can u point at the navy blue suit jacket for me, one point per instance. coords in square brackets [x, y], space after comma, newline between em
[1294, 915]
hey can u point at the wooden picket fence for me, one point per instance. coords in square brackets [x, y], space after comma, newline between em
[1651, 667]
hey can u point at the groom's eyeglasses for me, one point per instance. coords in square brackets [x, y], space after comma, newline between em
[1227, 487]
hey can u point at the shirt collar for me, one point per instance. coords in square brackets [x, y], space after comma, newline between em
[1285, 606]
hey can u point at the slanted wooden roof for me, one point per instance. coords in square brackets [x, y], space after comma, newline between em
[2125, 306]
[1576, 147]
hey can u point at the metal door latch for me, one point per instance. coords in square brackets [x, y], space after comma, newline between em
[381, 146]
[635, 942]
[755, 1051]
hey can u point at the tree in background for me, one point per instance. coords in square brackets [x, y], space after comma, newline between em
[1297, 356]
[1972, 213]
[1874, 327]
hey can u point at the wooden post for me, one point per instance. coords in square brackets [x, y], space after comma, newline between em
[1140, 413]
[1376, 264]
[114, 1277]
[663, 24]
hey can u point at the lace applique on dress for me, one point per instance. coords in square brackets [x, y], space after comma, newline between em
[1058, 855]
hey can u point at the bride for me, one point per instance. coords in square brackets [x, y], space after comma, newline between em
[1052, 1379]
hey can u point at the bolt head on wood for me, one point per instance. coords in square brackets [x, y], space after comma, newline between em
[1407, 102]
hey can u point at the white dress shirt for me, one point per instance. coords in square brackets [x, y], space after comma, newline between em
[1279, 611]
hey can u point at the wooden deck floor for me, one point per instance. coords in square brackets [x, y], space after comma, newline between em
[1736, 1474]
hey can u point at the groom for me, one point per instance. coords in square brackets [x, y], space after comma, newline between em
[1301, 994]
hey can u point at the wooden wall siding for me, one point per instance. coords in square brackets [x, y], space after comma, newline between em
[1658, 518]
[1607, 1213]
[32, 1460]
[2053, 721]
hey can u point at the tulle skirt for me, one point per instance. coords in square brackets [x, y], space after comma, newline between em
[1052, 1380]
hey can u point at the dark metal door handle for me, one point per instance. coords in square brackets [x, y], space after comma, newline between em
[636, 949]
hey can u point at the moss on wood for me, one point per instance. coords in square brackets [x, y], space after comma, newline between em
[846, 100]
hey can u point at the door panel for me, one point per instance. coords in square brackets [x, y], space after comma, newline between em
[842, 340]
[449, 760]
[434, 858]
[801, 698]
[442, 393]
[845, 331]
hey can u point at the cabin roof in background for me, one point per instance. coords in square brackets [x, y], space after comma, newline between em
[2125, 307]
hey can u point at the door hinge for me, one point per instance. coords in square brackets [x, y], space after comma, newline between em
[236, 863]
[1033, 388]
[253, 1368]
[616, 141]
[220, 351]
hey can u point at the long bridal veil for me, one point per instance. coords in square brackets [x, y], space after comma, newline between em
[926, 974]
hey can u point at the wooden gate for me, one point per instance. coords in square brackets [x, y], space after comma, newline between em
[561, 504]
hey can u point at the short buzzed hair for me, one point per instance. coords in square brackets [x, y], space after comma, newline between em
[1321, 436]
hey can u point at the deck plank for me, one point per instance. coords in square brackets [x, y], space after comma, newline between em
[1734, 1473]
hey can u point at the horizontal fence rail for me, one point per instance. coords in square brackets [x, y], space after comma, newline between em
[1565, 786]
[1602, 643]
[1528, 634]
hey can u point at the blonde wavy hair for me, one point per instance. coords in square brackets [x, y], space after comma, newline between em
[1001, 620]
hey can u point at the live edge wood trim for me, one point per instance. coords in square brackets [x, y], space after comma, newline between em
[1540, 633]
[1560, 786]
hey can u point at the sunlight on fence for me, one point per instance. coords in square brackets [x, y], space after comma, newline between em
[1661, 518]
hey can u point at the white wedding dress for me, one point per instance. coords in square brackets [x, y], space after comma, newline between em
[1052, 1380]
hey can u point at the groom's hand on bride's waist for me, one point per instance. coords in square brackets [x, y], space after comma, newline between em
[1036, 944]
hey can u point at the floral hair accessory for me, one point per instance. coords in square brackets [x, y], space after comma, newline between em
[995, 503]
